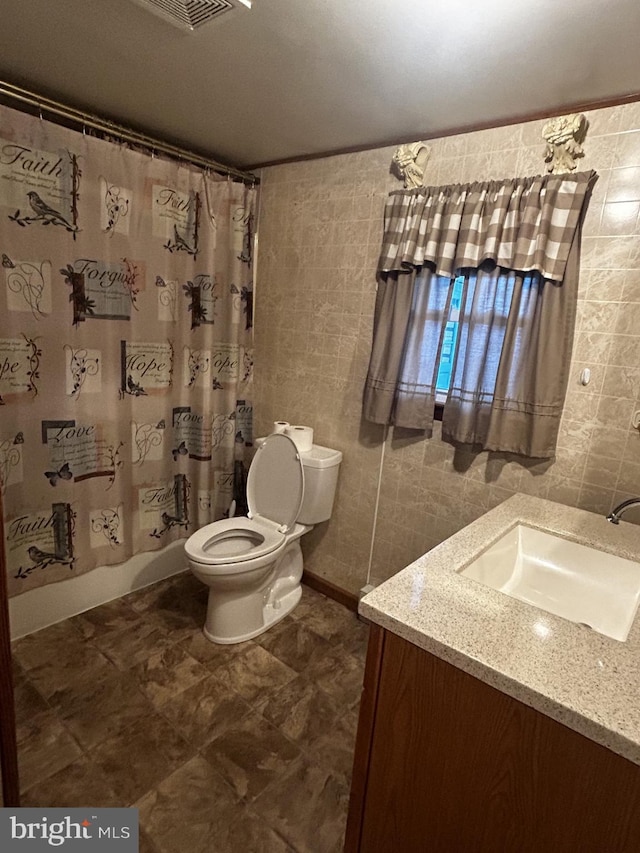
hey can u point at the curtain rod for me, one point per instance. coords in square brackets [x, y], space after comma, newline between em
[85, 120]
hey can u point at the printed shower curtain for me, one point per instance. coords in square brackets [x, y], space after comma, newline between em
[125, 349]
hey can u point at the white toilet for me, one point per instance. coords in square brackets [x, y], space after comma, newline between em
[253, 566]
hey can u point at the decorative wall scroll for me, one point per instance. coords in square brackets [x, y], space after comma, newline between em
[102, 290]
[244, 422]
[164, 506]
[242, 305]
[224, 363]
[28, 286]
[37, 541]
[19, 363]
[222, 431]
[79, 452]
[41, 186]
[11, 470]
[410, 162]
[147, 442]
[564, 137]
[203, 293]
[197, 364]
[84, 374]
[107, 527]
[116, 208]
[167, 299]
[242, 221]
[191, 435]
[146, 368]
[176, 216]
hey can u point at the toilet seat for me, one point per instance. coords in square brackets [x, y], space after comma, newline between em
[233, 541]
[275, 488]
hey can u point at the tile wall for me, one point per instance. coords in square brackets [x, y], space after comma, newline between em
[320, 231]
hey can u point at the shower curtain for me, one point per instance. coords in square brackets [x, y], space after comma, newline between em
[125, 349]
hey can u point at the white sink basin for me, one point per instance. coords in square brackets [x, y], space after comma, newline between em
[570, 580]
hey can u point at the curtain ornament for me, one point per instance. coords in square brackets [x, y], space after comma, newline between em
[409, 162]
[564, 136]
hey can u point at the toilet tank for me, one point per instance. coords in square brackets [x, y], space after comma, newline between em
[321, 466]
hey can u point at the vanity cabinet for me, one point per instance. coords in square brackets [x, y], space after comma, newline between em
[445, 763]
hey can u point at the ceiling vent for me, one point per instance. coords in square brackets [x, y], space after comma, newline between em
[190, 14]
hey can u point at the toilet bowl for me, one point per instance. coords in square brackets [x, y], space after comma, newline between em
[253, 566]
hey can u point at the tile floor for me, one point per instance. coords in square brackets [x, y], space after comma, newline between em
[243, 748]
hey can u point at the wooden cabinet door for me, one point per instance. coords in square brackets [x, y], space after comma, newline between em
[457, 766]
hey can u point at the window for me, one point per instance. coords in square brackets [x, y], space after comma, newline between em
[449, 342]
[493, 344]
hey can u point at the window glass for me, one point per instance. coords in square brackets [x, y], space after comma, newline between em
[449, 341]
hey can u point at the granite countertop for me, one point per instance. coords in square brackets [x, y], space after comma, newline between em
[575, 675]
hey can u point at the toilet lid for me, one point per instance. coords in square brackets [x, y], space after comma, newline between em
[275, 485]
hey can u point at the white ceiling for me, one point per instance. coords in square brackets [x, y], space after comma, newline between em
[297, 77]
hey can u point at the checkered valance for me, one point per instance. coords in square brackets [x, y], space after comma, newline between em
[522, 224]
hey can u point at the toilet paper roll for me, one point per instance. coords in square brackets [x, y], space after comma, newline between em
[302, 436]
[280, 426]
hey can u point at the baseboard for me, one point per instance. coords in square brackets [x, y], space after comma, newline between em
[342, 596]
[46, 605]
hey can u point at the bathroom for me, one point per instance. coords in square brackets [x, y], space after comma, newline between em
[398, 496]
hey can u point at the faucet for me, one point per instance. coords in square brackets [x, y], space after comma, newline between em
[615, 515]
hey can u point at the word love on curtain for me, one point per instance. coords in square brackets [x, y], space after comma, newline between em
[125, 349]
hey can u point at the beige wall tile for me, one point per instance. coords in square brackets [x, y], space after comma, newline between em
[601, 471]
[629, 479]
[615, 412]
[320, 232]
[628, 149]
[624, 184]
[531, 160]
[596, 499]
[604, 121]
[625, 350]
[606, 441]
[628, 320]
[564, 491]
[599, 152]
[620, 217]
[623, 382]
[592, 347]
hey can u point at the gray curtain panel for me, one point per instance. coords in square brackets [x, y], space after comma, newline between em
[408, 326]
[517, 242]
[512, 361]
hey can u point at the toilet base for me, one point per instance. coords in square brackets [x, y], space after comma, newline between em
[245, 604]
[272, 613]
